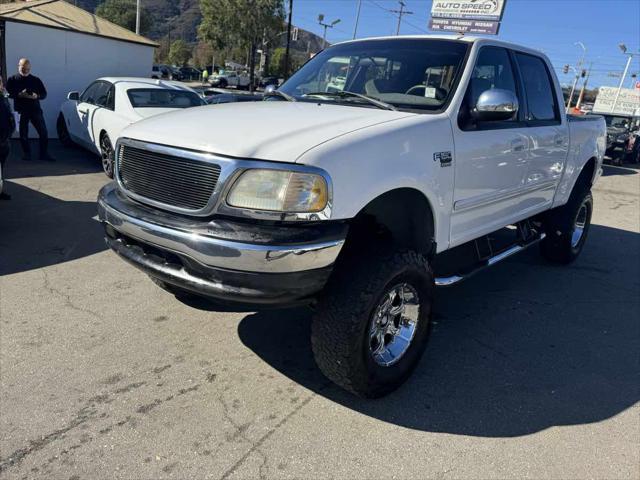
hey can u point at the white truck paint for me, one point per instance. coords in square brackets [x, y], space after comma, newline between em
[474, 141]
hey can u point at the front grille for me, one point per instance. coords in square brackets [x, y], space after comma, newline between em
[167, 179]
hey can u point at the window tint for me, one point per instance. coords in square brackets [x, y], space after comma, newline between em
[163, 98]
[537, 84]
[88, 96]
[102, 93]
[492, 70]
[111, 98]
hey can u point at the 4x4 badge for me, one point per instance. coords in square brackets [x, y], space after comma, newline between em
[444, 158]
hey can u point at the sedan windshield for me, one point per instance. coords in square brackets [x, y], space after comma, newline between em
[618, 122]
[163, 98]
[411, 74]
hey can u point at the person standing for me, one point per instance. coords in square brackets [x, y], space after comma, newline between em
[7, 127]
[27, 90]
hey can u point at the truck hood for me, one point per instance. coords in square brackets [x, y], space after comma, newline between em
[276, 130]
[151, 112]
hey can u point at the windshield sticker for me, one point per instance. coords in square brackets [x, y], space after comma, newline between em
[430, 92]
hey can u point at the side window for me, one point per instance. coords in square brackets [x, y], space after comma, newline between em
[102, 93]
[541, 101]
[492, 70]
[111, 98]
[88, 96]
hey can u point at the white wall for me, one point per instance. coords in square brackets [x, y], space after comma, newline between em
[67, 61]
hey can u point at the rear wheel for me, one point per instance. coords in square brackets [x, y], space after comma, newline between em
[106, 155]
[372, 324]
[63, 132]
[567, 228]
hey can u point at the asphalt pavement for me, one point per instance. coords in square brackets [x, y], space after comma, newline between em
[532, 371]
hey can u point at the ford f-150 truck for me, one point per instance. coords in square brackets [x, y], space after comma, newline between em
[437, 156]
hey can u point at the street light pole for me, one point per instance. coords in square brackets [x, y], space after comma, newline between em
[137, 17]
[355, 28]
[573, 89]
[325, 26]
[584, 86]
[623, 47]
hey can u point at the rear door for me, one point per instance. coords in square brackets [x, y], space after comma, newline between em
[96, 103]
[490, 157]
[79, 121]
[547, 130]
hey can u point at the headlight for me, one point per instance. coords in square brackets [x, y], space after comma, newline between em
[280, 191]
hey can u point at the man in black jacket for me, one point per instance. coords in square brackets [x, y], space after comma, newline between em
[27, 90]
[7, 127]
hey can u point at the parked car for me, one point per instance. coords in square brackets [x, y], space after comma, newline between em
[228, 97]
[619, 130]
[160, 72]
[95, 118]
[230, 79]
[190, 73]
[446, 155]
[266, 81]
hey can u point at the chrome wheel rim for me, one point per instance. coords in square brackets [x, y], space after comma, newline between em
[579, 226]
[106, 154]
[393, 325]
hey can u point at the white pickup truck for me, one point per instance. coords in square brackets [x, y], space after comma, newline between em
[440, 156]
[230, 79]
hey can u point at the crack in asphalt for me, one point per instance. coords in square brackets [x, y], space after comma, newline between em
[67, 298]
[255, 446]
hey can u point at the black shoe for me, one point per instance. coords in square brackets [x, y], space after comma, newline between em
[47, 158]
[5, 196]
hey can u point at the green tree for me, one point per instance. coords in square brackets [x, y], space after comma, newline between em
[179, 53]
[243, 23]
[123, 13]
[276, 61]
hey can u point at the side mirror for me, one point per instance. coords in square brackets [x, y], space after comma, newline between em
[75, 96]
[270, 88]
[495, 105]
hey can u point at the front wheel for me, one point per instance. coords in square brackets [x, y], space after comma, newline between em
[567, 227]
[372, 324]
[106, 155]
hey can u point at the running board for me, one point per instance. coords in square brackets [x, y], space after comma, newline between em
[503, 255]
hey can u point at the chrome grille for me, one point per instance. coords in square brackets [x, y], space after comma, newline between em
[167, 179]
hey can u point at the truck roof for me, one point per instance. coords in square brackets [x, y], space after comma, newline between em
[460, 38]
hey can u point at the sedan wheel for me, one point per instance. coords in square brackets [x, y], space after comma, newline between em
[106, 155]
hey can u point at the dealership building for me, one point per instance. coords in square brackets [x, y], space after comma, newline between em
[68, 48]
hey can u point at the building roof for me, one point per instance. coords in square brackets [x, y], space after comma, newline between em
[65, 16]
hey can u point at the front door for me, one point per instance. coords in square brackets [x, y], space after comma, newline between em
[491, 158]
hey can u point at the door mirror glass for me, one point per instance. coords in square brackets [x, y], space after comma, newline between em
[75, 96]
[494, 105]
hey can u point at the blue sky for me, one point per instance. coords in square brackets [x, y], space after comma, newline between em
[552, 26]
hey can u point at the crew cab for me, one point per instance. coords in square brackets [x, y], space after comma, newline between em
[437, 157]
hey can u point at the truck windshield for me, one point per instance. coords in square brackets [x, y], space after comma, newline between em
[619, 122]
[163, 98]
[410, 74]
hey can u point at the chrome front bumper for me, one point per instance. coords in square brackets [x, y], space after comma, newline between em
[211, 257]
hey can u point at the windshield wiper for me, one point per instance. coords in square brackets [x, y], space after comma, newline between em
[347, 94]
[278, 93]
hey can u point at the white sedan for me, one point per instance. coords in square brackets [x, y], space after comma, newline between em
[95, 118]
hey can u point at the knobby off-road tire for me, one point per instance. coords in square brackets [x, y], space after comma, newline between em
[341, 330]
[567, 227]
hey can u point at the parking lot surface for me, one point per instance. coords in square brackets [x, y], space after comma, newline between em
[532, 370]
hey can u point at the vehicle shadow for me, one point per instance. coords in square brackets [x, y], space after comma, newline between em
[626, 169]
[37, 230]
[514, 350]
[69, 161]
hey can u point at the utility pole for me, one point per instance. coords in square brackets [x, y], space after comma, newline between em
[137, 17]
[325, 26]
[355, 28]
[573, 88]
[286, 52]
[400, 13]
[623, 47]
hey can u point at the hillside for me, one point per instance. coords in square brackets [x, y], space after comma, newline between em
[180, 19]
